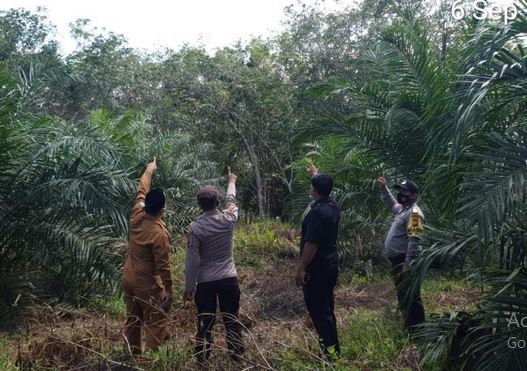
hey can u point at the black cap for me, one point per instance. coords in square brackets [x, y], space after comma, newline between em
[407, 185]
[154, 200]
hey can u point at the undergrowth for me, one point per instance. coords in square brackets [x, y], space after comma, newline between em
[371, 334]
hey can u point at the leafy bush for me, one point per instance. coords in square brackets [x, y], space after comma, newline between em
[67, 196]
[258, 242]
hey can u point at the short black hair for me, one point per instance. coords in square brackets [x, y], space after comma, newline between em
[323, 184]
[208, 198]
[155, 201]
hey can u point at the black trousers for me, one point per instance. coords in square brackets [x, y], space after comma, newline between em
[320, 302]
[412, 308]
[208, 294]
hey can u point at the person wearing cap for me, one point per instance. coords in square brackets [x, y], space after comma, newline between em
[147, 280]
[210, 273]
[317, 270]
[402, 243]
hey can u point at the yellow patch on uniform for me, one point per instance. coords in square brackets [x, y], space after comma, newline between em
[415, 225]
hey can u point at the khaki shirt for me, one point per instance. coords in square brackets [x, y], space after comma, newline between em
[147, 263]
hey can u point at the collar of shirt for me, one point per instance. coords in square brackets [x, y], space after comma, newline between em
[155, 219]
[152, 218]
[321, 200]
[206, 214]
[409, 206]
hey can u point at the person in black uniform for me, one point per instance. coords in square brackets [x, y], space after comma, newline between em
[318, 265]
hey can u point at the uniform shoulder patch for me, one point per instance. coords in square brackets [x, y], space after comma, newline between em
[415, 224]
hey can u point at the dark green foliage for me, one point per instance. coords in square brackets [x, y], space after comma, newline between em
[61, 204]
[67, 192]
[456, 124]
[386, 88]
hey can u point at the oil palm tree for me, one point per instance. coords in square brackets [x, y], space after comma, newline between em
[67, 193]
[61, 209]
[457, 125]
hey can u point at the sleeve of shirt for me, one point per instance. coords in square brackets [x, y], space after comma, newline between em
[191, 262]
[142, 189]
[390, 201]
[230, 199]
[314, 227]
[414, 231]
[161, 252]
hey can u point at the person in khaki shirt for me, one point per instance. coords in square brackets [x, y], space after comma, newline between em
[147, 279]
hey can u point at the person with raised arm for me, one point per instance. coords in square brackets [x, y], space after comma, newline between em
[402, 244]
[147, 279]
[210, 273]
[318, 265]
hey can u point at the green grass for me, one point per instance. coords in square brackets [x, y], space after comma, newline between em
[446, 284]
[373, 339]
[6, 363]
[456, 288]
[256, 243]
[349, 277]
[298, 353]
[169, 358]
[113, 305]
[368, 340]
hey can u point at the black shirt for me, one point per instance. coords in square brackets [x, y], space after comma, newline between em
[320, 226]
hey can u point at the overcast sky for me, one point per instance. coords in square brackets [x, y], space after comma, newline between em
[154, 24]
[151, 24]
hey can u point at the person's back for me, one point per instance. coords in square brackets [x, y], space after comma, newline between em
[323, 222]
[141, 263]
[210, 273]
[147, 280]
[317, 271]
[214, 230]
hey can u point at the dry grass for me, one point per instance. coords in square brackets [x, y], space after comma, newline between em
[273, 315]
[269, 293]
[374, 296]
[457, 300]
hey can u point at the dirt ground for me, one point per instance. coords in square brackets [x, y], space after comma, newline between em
[271, 308]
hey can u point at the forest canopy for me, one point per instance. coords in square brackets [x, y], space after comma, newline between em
[400, 89]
